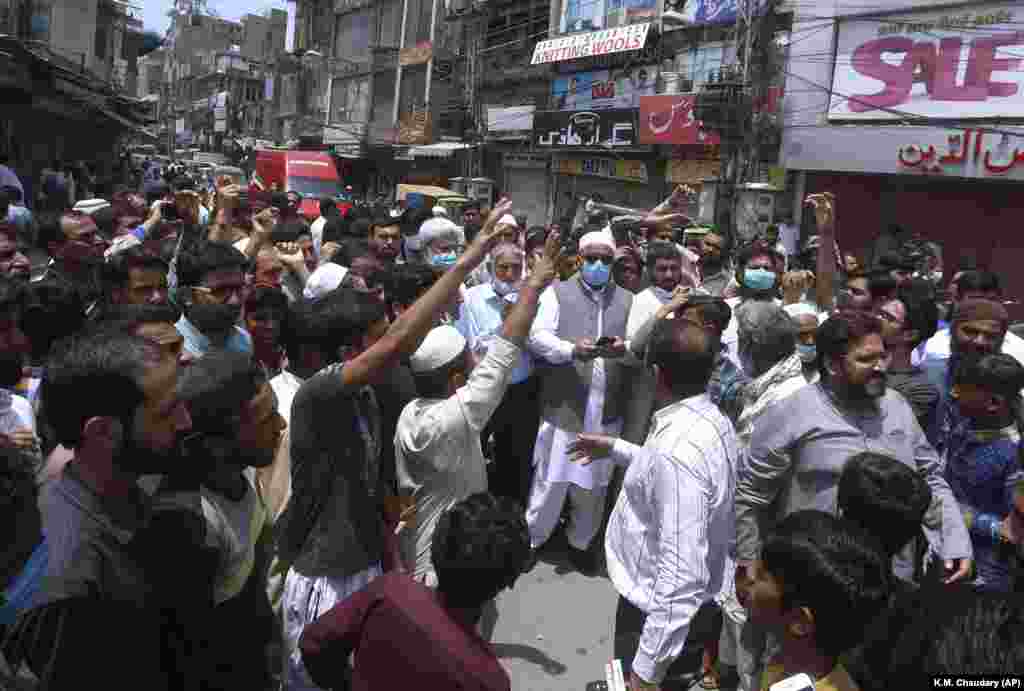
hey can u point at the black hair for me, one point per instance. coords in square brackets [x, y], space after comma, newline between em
[479, 548]
[714, 310]
[835, 569]
[198, 261]
[53, 310]
[838, 332]
[335, 229]
[49, 230]
[979, 281]
[885, 497]
[661, 250]
[117, 269]
[289, 231]
[410, 281]
[217, 388]
[13, 295]
[104, 219]
[327, 205]
[996, 373]
[359, 228]
[130, 317]
[346, 314]
[301, 327]
[264, 297]
[353, 249]
[751, 250]
[685, 355]
[94, 374]
[13, 193]
[922, 312]
[768, 331]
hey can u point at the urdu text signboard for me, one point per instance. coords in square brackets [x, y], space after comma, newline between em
[617, 40]
[584, 129]
[963, 62]
[668, 119]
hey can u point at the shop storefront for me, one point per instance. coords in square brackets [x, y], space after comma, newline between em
[525, 178]
[632, 182]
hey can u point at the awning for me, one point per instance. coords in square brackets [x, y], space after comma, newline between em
[439, 150]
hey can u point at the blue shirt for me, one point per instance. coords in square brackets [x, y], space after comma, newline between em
[20, 595]
[480, 321]
[21, 219]
[199, 345]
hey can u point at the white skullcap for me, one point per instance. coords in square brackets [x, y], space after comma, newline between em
[801, 309]
[442, 345]
[120, 244]
[440, 212]
[431, 230]
[324, 280]
[597, 237]
[91, 206]
[508, 220]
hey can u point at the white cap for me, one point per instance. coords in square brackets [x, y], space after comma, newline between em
[91, 206]
[440, 212]
[603, 238]
[324, 280]
[120, 244]
[442, 345]
[508, 220]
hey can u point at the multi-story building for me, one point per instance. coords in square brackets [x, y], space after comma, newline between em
[922, 130]
[216, 73]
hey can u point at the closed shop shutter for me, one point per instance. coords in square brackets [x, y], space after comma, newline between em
[528, 188]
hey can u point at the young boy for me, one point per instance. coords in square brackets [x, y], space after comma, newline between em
[983, 463]
[819, 581]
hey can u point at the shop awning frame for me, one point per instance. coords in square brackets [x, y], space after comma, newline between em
[438, 150]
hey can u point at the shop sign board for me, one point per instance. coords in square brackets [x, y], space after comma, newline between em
[604, 89]
[612, 168]
[668, 119]
[688, 171]
[963, 61]
[602, 128]
[606, 42]
[923, 151]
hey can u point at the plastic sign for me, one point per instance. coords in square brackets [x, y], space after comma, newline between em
[968, 62]
[985, 151]
[618, 40]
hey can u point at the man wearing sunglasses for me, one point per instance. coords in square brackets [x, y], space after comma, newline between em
[212, 280]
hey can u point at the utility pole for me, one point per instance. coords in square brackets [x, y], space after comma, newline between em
[472, 36]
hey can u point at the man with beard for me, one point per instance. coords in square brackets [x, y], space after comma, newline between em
[471, 220]
[212, 519]
[13, 262]
[798, 449]
[714, 263]
[385, 240]
[135, 277]
[213, 280]
[979, 327]
[113, 400]
[76, 253]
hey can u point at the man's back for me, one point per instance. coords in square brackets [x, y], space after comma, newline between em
[403, 638]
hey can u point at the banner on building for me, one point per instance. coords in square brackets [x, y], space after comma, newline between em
[612, 168]
[593, 15]
[668, 119]
[417, 54]
[959, 62]
[604, 89]
[602, 128]
[716, 11]
[617, 40]
[510, 122]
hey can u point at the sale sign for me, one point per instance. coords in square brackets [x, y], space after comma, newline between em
[962, 63]
[669, 119]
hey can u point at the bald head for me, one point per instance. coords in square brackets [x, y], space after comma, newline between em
[684, 354]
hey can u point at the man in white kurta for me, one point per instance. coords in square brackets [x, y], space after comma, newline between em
[581, 391]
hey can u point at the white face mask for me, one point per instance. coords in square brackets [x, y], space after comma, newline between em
[502, 288]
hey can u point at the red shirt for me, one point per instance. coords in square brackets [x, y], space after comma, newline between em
[402, 638]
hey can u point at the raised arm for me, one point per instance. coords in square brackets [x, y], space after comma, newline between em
[409, 330]
[825, 214]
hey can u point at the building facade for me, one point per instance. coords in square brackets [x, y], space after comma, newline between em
[926, 138]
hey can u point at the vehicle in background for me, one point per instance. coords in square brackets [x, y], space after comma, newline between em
[310, 173]
[416, 196]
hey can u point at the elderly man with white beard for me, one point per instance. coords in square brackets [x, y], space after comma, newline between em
[580, 335]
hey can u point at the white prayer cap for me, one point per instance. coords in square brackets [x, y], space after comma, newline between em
[442, 345]
[440, 212]
[508, 220]
[120, 244]
[601, 238]
[91, 206]
[431, 230]
[801, 309]
[324, 280]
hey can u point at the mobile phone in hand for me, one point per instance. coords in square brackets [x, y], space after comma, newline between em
[605, 342]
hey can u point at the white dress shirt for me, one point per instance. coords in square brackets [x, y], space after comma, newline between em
[438, 458]
[938, 347]
[671, 530]
[480, 320]
[316, 229]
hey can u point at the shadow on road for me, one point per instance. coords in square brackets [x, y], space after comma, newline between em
[530, 654]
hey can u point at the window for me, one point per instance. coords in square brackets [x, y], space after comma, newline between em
[390, 23]
[350, 100]
[697, 64]
[40, 19]
[352, 38]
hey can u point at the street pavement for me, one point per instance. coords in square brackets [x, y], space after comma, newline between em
[554, 630]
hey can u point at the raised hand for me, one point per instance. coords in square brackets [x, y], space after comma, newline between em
[545, 268]
[588, 447]
[824, 208]
[488, 236]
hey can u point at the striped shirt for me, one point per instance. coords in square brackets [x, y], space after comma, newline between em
[672, 527]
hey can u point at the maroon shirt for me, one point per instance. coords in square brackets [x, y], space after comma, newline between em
[402, 638]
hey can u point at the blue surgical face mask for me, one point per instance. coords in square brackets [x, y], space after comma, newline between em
[502, 288]
[445, 260]
[596, 274]
[758, 279]
[808, 353]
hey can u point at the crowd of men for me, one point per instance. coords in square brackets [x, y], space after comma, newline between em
[244, 451]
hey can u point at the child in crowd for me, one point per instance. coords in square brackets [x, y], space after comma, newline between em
[983, 464]
[819, 581]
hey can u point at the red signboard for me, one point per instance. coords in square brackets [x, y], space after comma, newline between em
[668, 119]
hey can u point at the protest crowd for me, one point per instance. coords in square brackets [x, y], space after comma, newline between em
[245, 451]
